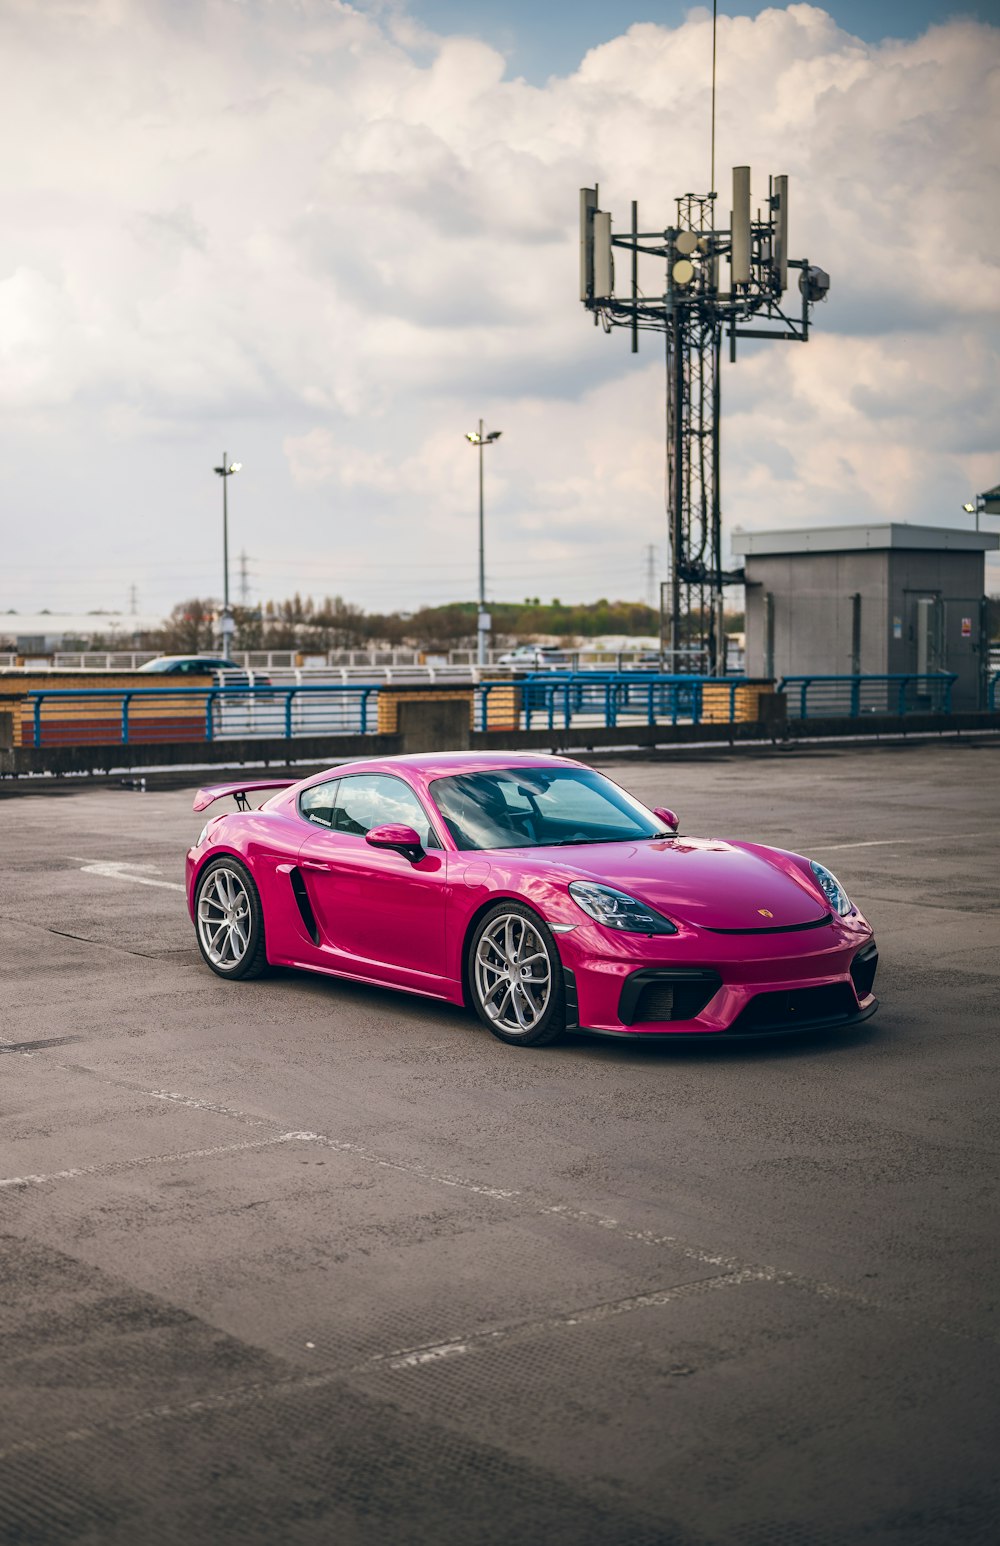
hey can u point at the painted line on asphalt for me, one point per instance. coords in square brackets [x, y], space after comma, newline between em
[729, 1266]
[114, 869]
[112, 1167]
[435, 1352]
[197, 1104]
[413, 1168]
[403, 1358]
[892, 842]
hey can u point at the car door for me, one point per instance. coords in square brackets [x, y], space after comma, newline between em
[374, 906]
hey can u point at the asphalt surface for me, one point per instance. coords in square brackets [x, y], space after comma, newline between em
[301, 1261]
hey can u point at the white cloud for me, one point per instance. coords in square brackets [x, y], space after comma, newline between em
[330, 243]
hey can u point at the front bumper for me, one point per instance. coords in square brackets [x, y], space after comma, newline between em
[701, 984]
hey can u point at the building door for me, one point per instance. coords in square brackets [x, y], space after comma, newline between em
[966, 648]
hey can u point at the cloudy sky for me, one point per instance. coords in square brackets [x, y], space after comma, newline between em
[327, 238]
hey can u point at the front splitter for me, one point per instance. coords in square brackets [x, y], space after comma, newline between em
[831, 1023]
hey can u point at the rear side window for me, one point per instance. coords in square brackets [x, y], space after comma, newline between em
[317, 802]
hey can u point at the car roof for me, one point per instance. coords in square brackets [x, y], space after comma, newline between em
[428, 765]
[157, 658]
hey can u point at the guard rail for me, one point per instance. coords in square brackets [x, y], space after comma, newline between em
[834, 697]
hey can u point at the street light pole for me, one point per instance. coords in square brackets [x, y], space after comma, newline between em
[477, 438]
[225, 472]
[481, 640]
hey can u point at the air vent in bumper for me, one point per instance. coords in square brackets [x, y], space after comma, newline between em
[863, 969]
[654, 995]
[831, 1004]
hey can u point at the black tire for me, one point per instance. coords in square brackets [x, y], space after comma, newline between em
[515, 997]
[227, 909]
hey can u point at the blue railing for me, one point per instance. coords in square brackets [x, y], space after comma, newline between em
[614, 698]
[838, 697]
[549, 700]
[129, 716]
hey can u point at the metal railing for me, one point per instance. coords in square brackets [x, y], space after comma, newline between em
[307, 660]
[613, 699]
[284, 710]
[993, 692]
[247, 709]
[126, 716]
[836, 697]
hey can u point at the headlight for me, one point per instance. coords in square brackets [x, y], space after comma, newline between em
[832, 889]
[618, 910]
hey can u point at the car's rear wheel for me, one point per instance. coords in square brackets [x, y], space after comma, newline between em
[229, 920]
[515, 976]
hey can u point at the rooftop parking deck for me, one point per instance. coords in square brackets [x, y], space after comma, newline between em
[305, 1261]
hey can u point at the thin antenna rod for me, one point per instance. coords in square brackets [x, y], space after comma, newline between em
[715, 20]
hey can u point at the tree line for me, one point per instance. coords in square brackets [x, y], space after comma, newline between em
[302, 623]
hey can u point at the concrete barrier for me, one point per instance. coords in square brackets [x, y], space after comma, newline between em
[433, 725]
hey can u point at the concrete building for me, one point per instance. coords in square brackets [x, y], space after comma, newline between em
[839, 600]
[40, 633]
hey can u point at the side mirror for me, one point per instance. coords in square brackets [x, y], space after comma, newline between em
[669, 818]
[401, 838]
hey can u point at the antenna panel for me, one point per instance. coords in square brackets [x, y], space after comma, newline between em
[604, 272]
[781, 232]
[740, 257]
[588, 208]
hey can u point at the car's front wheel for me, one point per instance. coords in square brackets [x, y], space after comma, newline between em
[229, 920]
[515, 976]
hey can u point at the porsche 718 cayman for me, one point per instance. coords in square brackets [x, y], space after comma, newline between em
[533, 889]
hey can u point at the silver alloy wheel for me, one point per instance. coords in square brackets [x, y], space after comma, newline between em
[513, 973]
[224, 918]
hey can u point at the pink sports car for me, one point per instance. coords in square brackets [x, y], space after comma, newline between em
[533, 889]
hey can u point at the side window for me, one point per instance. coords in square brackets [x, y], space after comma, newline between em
[316, 803]
[368, 800]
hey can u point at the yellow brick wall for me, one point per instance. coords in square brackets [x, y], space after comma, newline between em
[746, 703]
[14, 687]
[389, 701]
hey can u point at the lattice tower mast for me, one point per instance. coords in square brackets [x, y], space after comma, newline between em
[718, 284]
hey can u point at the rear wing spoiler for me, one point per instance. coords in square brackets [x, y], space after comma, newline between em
[212, 792]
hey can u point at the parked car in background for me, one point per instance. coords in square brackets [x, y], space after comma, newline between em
[205, 665]
[534, 657]
[646, 660]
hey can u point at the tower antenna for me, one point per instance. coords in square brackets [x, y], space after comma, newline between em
[715, 23]
[701, 304]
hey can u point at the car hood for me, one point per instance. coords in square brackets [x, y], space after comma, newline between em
[707, 882]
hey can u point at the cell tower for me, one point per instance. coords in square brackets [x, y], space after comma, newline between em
[701, 304]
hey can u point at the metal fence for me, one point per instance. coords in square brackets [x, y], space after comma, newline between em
[837, 697]
[283, 710]
[388, 660]
[612, 699]
[124, 717]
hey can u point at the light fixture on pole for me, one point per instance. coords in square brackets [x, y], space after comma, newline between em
[225, 472]
[985, 504]
[477, 438]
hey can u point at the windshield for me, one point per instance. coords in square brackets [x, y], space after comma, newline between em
[539, 808]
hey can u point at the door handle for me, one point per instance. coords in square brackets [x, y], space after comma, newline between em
[314, 864]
